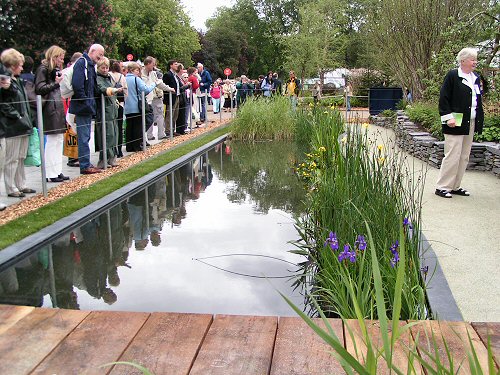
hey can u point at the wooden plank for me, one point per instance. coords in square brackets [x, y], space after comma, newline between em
[32, 338]
[101, 338]
[167, 344]
[10, 315]
[237, 345]
[457, 341]
[358, 348]
[491, 330]
[299, 350]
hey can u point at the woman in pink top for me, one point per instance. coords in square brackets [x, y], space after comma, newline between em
[215, 93]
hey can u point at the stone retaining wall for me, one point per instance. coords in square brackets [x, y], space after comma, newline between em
[411, 137]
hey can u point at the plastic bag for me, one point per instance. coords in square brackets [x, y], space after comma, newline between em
[33, 157]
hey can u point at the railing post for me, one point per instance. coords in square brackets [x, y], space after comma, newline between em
[206, 108]
[231, 95]
[220, 108]
[104, 149]
[144, 135]
[170, 115]
[39, 115]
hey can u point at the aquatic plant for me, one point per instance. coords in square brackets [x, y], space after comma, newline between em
[351, 177]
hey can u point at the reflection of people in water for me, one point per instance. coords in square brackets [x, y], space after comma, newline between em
[64, 260]
[157, 206]
[95, 254]
[138, 220]
[23, 284]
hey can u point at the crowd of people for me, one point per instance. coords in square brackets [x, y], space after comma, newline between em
[71, 103]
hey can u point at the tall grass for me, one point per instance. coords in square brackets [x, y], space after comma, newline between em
[264, 119]
[351, 179]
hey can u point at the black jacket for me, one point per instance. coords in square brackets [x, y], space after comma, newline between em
[54, 119]
[15, 113]
[172, 80]
[456, 96]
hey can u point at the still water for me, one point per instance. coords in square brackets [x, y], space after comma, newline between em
[210, 237]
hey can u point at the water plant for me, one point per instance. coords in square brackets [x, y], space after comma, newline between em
[370, 356]
[351, 178]
[264, 119]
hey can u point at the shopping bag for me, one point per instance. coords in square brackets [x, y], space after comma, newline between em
[33, 157]
[70, 145]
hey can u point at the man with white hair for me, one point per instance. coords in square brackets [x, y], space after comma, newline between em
[205, 83]
[83, 104]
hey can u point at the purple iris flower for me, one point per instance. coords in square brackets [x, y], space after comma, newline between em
[394, 247]
[332, 241]
[361, 242]
[346, 253]
[395, 259]
[352, 256]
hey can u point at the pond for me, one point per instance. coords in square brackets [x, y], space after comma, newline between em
[210, 237]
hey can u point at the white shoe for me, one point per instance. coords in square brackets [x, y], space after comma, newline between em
[3, 206]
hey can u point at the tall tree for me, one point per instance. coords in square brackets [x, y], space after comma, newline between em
[408, 33]
[33, 25]
[159, 28]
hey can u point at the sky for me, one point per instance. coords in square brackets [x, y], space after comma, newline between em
[200, 10]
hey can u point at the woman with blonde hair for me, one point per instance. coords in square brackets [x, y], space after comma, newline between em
[15, 118]
[47, 79]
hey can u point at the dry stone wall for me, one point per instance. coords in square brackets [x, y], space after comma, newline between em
[414, 139]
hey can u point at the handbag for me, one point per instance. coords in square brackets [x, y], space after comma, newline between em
[148, 108]
[70, 148]
[121, 95]
[33, 157]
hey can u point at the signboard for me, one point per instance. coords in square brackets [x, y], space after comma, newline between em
[227, 72]
[130, 57]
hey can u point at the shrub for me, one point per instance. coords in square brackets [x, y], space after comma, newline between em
[491, 130]
[388, 113]
[427, 115]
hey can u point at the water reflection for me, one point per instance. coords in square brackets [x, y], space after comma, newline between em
[210, 237]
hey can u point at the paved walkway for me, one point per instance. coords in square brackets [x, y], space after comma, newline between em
[464, 233]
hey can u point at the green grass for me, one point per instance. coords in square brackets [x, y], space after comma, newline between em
[34, 221]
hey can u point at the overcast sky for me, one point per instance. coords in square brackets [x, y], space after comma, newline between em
[201, 10]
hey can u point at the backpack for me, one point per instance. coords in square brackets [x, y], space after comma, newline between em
[66, 85]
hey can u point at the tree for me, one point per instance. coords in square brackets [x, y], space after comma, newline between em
[159, 28]
[31, 26]
[318, 41]
[408, 33]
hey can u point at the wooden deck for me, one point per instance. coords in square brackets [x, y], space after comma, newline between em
[51, 341]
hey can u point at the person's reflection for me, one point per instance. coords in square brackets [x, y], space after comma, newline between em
[139, 219]
[95, 257]
[64, 259]
[157, 205]
[25, 283]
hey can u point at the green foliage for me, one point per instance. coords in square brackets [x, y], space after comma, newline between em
[388, 113]
[264, 119]
[351, 180]
[402, 104]
[34, 25]
[427, 115]
[160, 28]
[491, 130]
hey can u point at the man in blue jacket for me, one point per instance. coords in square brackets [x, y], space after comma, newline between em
[83, 104]
[205, 83]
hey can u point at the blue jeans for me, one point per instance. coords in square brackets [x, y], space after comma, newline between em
[83, 127]
[348, 103]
